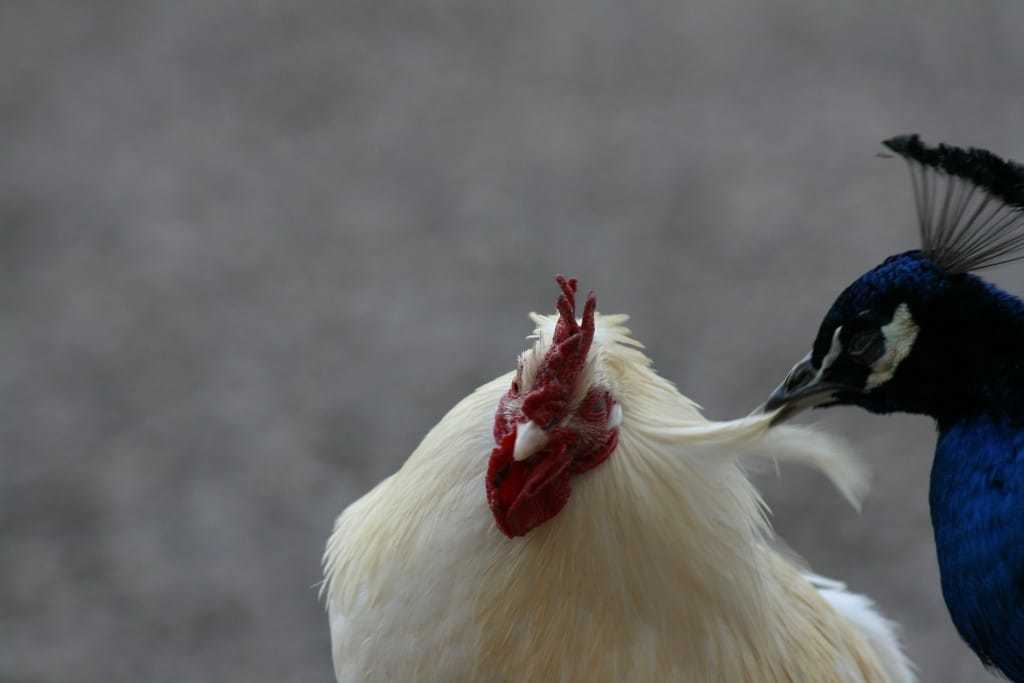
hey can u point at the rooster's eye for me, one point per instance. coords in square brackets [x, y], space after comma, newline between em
[595, 408]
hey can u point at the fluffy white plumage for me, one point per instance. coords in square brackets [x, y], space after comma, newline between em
[659, 568]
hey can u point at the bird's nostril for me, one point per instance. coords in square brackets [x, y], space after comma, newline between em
[799, 378]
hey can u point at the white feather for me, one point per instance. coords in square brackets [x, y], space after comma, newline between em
[881, 634]
[659, 568]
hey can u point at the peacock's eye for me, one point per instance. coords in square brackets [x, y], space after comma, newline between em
[866, 346]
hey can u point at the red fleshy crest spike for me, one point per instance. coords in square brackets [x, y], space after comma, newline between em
[564, 360]
[568, 285]
[566, 305]
[588, 314]
[523, 494]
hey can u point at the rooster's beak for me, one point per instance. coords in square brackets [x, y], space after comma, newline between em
[530, 437]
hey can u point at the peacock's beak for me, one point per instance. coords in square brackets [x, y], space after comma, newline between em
[803, 388]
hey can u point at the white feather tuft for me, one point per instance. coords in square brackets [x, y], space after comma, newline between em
[753, 438]
[881, 634]
[659, 568]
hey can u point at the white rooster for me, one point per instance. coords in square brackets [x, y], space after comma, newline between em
[472, 564]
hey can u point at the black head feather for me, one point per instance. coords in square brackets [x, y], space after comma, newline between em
[970, 204]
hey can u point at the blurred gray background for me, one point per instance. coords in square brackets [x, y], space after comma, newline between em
[252, 251]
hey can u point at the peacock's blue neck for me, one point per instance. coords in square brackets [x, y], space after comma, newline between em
[977, 508]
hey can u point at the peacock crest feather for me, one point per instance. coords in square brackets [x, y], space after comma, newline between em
[970, 204]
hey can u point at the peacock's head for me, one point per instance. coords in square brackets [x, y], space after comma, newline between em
[912, 334]
[864, 353]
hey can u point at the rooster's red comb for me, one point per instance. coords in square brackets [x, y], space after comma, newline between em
[564, 361]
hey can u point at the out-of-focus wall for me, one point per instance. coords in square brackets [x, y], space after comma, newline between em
[251, 251]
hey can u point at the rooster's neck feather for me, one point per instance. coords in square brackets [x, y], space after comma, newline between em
[668, 536]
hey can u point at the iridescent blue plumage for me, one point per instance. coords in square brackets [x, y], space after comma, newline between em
[967, 358]
[977, 506]
[965, 371]
[921, 334]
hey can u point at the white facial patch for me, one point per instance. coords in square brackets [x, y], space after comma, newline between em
[900, 334]
[833, 352]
